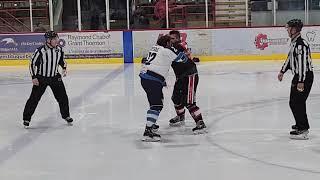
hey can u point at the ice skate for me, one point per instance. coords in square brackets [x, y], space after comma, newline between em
[177, 121]
[26, 123]
[299, 134]
[155, 128]
[150, 136]
[200, 128]
[69, 120]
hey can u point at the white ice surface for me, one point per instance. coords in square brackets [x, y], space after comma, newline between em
[244, 106]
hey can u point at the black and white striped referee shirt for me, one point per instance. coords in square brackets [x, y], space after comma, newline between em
[299, 59]
[45, 61]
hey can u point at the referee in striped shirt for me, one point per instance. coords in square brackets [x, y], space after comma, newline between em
[44, 72]
[300, 63]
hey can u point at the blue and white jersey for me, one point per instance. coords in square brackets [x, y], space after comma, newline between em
[159, 60]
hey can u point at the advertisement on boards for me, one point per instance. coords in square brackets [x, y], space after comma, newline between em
[92, 44]
[250, 41]
[19, 46]
[75, 45]
[312, 36]
[198, 41]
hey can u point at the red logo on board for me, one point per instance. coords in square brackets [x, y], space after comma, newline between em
[261, 41]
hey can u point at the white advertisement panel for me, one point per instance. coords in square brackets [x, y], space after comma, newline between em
[312, 36]
[92, 44]
[250, 41]
[198, 41]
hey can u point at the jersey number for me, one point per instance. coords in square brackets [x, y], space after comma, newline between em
[151, 57]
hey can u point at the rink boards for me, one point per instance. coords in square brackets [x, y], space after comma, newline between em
[269, 43]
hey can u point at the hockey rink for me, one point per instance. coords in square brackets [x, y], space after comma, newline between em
[245, 107]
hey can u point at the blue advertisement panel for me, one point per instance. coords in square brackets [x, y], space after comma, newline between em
[16, 46]
[75, 45]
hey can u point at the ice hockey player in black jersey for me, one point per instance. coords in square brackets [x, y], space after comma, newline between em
[184, 92]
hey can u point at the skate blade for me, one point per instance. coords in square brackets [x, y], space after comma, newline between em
[26, 127]
[148, 139]
[178, 124]
[70, 124]
[295, 137]
[202, 131]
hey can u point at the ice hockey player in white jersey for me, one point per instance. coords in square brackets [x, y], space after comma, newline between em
[153, 74]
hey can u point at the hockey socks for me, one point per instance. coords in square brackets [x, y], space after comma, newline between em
[152, 117]
[195, 112]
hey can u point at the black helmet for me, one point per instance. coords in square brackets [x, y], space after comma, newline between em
[296, 23]
[50, 35]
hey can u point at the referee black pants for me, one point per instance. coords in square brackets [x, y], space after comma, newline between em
[59, 92]
[298, 101]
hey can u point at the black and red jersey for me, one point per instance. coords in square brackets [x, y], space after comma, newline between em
[183, 69]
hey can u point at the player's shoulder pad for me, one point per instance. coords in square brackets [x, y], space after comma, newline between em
[173, 49]
[179, 47]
